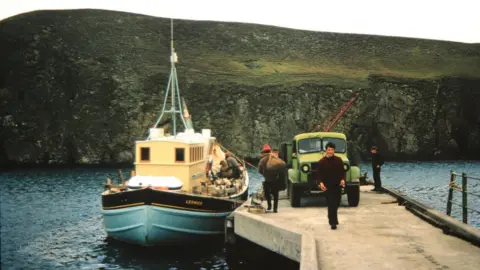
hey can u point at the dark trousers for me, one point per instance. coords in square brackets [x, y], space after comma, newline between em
[333, 196]
[376, 178]
[271, 189]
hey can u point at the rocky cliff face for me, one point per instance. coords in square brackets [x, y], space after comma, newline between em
[418, 119]
[82, 86]
[406, 119]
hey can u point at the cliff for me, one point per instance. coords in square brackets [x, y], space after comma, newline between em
[80, 86]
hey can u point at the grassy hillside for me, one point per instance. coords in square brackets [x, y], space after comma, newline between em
[244, 53]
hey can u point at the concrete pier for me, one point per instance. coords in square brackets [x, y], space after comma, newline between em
[378, 234]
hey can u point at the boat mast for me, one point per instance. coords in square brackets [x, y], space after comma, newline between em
[173, 87]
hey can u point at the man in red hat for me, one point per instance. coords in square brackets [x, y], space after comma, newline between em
[273, 170]
[266, 149]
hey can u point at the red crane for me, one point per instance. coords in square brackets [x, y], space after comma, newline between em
[339, 115]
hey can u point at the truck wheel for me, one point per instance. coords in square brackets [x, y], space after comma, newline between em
[289, 189]
[295, 195]
[353, 195]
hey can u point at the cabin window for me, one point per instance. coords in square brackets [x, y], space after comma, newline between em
[179, 154]
[145, 153]
[196, 153]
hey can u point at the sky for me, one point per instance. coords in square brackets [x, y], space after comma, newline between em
[451, 20]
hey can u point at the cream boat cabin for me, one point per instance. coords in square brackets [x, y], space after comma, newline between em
[183, 156]
[189, 163]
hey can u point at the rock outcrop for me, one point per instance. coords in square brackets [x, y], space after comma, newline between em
[82, 86]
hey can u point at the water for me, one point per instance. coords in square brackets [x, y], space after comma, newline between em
[427, 182]
[50, 219]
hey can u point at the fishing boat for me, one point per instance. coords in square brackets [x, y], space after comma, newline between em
[182, 186]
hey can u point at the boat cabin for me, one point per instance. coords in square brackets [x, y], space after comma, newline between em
[182, 157]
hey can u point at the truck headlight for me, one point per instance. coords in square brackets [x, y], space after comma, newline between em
[305, 168]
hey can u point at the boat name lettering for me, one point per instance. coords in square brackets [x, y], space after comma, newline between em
[193, 202]
[197, 175]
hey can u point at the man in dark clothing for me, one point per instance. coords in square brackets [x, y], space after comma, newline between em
[232, 165]
[331, 175]
[377, 162]
[273, 170]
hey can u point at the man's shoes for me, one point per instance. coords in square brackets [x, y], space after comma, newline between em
[275, 211]
[334, 227]
[269, 208]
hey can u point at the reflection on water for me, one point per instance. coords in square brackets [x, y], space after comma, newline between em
[51, 218]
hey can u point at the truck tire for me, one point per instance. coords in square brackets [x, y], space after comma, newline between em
[353, 195]
[289, 189]
[295, 195]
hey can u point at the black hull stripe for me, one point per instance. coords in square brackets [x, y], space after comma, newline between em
[160, 205]
[168, 199]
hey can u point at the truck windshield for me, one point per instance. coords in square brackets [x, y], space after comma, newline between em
[339, 144]
[309, 145]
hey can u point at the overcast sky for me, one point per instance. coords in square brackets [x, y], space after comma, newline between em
[453, 20]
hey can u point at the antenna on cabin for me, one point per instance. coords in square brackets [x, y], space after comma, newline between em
[175, 91]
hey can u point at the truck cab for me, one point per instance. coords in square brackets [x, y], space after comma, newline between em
[302, 155]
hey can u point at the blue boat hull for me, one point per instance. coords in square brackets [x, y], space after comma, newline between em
[161, 219]
[149, 225]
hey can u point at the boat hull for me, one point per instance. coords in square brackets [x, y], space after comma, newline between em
[151, 217]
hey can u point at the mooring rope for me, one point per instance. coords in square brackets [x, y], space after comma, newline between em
[246, 162]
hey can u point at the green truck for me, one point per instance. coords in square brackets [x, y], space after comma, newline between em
[302, 155]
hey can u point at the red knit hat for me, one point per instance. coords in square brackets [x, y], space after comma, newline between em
[266, 148]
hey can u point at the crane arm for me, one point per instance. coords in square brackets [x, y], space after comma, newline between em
[337, 117]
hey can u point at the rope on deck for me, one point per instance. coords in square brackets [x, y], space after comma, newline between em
[246, 162]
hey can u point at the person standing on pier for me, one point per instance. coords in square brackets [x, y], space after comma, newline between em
[331, 176]
[279, 167]
[273, 170]
[377, 162]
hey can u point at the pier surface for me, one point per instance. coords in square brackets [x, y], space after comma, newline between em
[378, 234]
